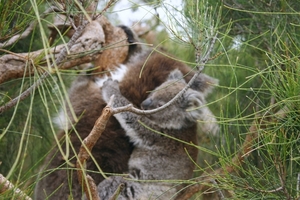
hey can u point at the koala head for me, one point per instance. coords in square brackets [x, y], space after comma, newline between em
[184, 112]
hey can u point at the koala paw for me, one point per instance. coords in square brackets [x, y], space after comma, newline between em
[110, 87]
[118, 75]
[109, 83]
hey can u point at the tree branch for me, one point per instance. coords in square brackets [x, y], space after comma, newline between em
[83, 40]
[28, 30]
[88, 38]
[88, 143]
[6, 185]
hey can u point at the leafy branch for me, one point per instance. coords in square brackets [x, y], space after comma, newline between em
[84, 47]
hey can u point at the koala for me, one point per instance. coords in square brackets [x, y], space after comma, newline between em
[141, 72]
[58, 180]
[147, 70]
[158, 156]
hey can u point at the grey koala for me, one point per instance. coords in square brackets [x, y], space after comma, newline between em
[156, 156]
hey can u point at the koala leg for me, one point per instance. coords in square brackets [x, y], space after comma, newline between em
[122, 189]
[118, 187]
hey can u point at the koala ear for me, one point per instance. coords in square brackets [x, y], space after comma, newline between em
[194, 100]
[175, 75]
[204, 84]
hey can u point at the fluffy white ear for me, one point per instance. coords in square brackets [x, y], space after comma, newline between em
[175, 75]
[194, 100]
[193, 103]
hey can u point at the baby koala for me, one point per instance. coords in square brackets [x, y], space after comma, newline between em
[162, 149]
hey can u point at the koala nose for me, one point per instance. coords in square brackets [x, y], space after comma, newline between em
[146, 105]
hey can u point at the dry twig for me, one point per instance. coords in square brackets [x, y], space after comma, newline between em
[27, 31]
[6, 185]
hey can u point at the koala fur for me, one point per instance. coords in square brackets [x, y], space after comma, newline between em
[112, 151]
[156, 156]
[57, 180]
[148, 70]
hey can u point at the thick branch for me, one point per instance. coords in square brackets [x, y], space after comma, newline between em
[89, 39]
[6, 185]
[88, 143]
[84, 39]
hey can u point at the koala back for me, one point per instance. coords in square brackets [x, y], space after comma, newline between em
[111, 152]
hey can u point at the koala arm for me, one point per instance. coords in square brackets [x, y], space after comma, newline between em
[110, 88]
[128, 120]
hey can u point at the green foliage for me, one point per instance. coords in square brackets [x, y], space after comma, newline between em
[258, 69]
[26, 131]
[14, 19]
[256, 60]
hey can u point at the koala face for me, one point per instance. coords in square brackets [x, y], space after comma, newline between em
[184, 112]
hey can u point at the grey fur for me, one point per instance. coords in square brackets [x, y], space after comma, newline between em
[157, 157]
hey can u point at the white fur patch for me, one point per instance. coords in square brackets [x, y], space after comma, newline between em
[100, 81]
[119, 73]
[208, 122]
[137, 141]
[61, 120]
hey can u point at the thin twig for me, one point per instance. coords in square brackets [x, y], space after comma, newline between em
[265, 191]
[220, 194]
[298, 184]
[60, 58]
[27, 31]
[6, 185]
[108, 5]
[117, 192]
